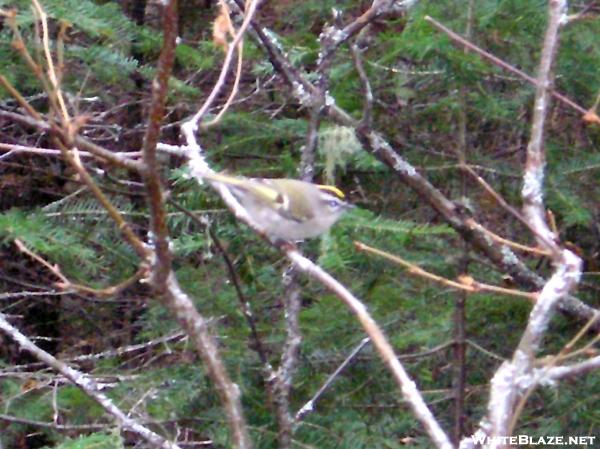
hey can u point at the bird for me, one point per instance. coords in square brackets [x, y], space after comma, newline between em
[286, 209]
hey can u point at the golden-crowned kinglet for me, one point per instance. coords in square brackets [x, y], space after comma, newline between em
[287, 209]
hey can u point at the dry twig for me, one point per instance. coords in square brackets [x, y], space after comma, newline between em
[464, 283]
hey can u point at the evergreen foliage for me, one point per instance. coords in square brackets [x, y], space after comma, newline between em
[422, 83]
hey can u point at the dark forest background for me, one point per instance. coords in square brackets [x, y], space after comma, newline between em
[441, 107]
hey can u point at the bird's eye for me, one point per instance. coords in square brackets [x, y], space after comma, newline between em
[334, 204]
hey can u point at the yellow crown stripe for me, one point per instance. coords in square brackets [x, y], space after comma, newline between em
[333, 189]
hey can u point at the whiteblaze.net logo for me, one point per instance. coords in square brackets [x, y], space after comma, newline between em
[521, 440]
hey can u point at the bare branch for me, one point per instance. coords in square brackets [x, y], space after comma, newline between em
[309, 149]
[161, 267]
[251, 6]
[120, 159]
[507, 242]
[284, 375]
[407, 386]
[52, 268]
[233, 46]
[65, 284]
[19, 98]
[196, 326]
[51, 71]
[577, 369]
[500, 63]
[163, 279]
[334, 37]
[466, 284]
[514, 379]
[52, 425]
[533, 178]
[502, 202]
[367, 92]
[18, 149]
[310, 405]
[245, 305]
[87, 385]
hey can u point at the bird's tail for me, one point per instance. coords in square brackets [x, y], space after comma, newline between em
[223, 178]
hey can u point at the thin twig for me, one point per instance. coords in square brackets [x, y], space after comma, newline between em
[500, 63]
[233, 46]
[367, 92]
[310, 405]
[117, 352]
[19, 98]
[16, 149]
[53, 425]
[19, 45]
[485, 351]
[67, 285]
[583, 13]
[577, 369]
[124, 227]
[465, 283]
[51, 72]
[245, 305]
[52, 268]
[503, 241]
[102, 153]
[334, 37]
[514, 212]
[251, 8]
